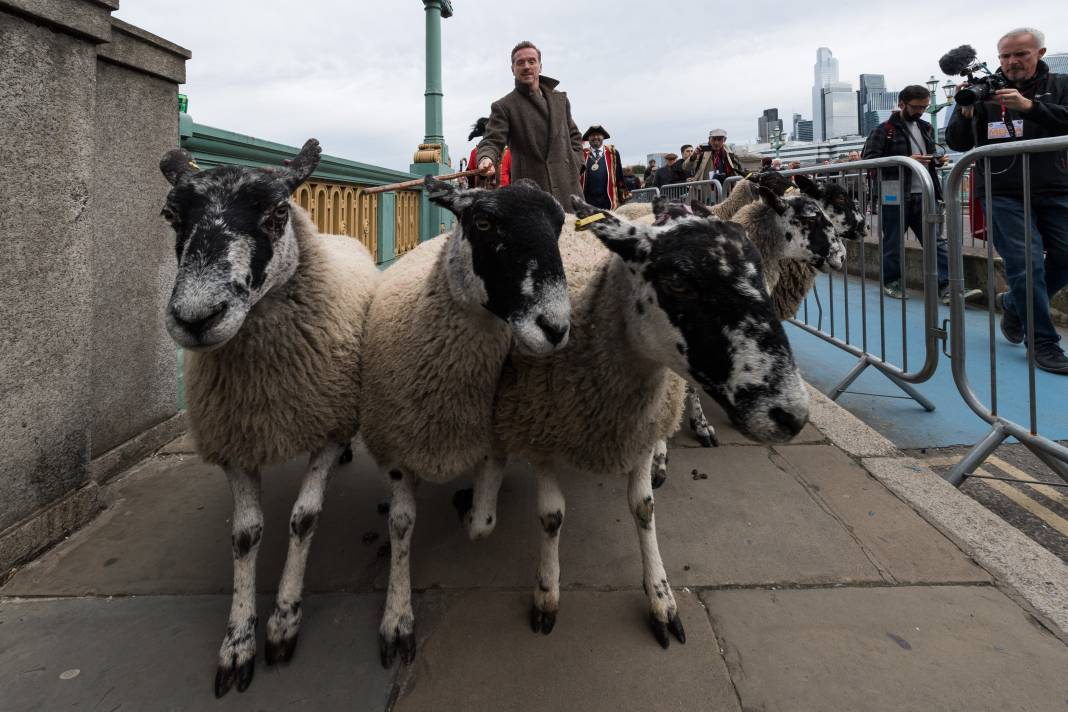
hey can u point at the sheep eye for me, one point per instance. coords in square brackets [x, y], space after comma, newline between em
[280, 212]
[482, 224]
[677, 287]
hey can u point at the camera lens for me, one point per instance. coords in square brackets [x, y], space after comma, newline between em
[967, 96]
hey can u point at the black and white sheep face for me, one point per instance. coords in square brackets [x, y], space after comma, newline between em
[234, 242]
[505, 258]
[846, 218]
[810, 236]
[700, 307]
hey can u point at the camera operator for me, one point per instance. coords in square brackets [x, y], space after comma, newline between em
[1034, 104]
[905, 133]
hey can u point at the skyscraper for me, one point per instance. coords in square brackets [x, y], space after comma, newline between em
[824, 72]
[839, 110]
[1058, 63]
[874, 102]
[767, 124]
[802, 129]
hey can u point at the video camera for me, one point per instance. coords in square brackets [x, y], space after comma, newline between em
[962, 61]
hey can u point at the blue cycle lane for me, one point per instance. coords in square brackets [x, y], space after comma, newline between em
[903, 421]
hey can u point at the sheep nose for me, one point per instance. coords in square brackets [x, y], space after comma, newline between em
[199, 323]
[789, 422]
[553, 333]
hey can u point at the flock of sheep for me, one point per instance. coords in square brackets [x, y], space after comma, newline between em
[567, 341]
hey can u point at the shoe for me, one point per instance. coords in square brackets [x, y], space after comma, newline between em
[1050, 357]
[1011, 327]
[943, 294]
[893, 290]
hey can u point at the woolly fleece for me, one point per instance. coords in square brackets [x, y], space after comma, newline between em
[431, 368]
[596, 405]
[795, 282]
[288, 381]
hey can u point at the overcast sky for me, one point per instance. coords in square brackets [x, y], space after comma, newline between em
[655, 74]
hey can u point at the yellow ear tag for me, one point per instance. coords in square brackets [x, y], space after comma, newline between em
[583, 223]
[194, 166]
[791, 189]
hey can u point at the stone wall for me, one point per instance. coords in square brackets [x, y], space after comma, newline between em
[84, 365]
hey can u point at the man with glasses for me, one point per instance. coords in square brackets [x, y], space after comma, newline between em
[905, 133]
[1034, 105]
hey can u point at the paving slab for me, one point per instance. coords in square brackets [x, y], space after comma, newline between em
[944, 648]
[159, 652]
[167, 530]
[481, 655]
[748, 523]
[899, 541]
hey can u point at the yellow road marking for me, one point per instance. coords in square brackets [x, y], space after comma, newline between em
[1049, 517]
[1057, 495]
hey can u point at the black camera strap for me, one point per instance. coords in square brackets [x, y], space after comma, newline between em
[1007, 121]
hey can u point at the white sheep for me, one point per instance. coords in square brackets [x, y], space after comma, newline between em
[445, 318]
[271, 314]
[685, 300]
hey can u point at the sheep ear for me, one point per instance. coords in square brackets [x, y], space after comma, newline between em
[807, 186]
[629, 241]
[301, 167]
[449, 196]
[659, 205]
[177, 163]
[772, 200]
[701, 209]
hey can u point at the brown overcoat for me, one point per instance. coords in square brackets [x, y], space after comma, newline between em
[546, 145]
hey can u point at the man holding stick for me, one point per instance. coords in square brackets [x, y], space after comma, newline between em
[534, 120]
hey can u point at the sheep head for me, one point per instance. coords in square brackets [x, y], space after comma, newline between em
[698, 305]
[809, 234]
[504, 257]
[234, 240]
[846, 218]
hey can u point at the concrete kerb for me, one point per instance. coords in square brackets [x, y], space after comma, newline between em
[1032, 576]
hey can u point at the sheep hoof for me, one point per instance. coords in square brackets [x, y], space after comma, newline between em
[403, 643]
[346, 456]
[280, 651]
[463, 500]
[227, 675]
[542, 621]
[707, 441]
[659, 477]
[660, 629]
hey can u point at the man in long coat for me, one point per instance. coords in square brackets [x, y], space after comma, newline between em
[534, 120]
[602, 174]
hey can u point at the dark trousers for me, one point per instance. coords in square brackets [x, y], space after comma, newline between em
[1049, 235]
[890, 223]
[599, 200]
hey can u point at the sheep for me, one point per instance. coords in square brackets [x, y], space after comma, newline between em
[796, 278]
[271, 315]
[444, 320]
[650, 306]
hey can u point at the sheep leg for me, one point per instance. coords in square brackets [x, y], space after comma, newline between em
[481, 518]
[705, 433]
[664, 614]
[396, 633]
[547, 592]
[658, 473]
[283, 626]
[237, 655]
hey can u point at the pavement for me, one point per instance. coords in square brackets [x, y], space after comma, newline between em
[832, 573]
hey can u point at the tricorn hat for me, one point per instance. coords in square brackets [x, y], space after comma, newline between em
[596, 128]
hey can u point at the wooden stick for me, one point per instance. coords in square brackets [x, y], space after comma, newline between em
[418, 182]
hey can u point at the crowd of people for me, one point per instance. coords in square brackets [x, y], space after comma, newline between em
[532, 128]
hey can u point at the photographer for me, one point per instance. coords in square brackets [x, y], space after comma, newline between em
[1032, 104]
[905, 133]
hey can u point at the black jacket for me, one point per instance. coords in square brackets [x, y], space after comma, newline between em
[1048, 117]
[667, 175]
[891, 138]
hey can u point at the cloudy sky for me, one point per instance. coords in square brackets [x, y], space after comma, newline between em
[655, 74]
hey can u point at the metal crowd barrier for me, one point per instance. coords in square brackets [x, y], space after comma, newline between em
[1050, 452]
[728, 185]
[708, 192]
[643, 195]
[854, 176]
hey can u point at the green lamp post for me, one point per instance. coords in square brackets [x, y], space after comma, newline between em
[950, 89]
[432, 156]
[776, 140]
